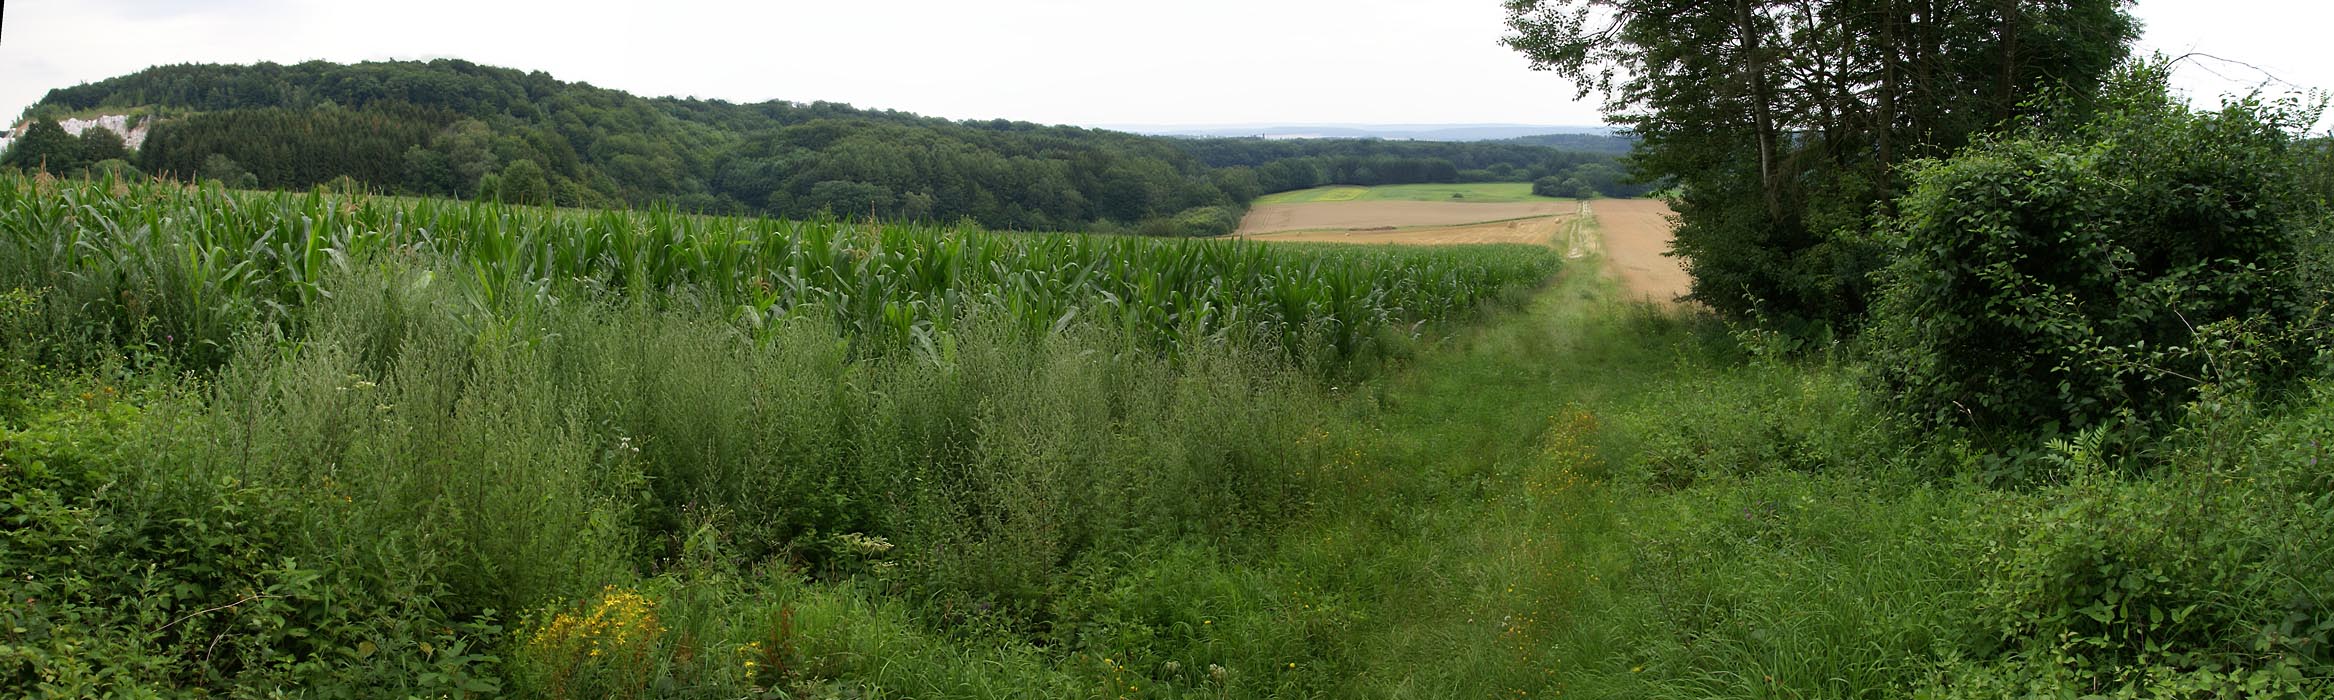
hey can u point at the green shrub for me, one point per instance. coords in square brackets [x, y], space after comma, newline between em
[1195, 222]
[116, 168]
[2053, 279]
[2205, 582]
[129, 581]
[19, 375]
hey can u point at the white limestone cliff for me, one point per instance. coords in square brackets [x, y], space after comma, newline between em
[118, 123]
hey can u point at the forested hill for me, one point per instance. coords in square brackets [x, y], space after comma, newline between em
[451, 127]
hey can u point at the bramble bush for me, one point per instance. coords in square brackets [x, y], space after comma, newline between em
[2062, 276]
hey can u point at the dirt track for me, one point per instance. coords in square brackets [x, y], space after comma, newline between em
[1272, 218]
[1636, 233]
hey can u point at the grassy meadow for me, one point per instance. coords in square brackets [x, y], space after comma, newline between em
[1483, 192]
[255, 444]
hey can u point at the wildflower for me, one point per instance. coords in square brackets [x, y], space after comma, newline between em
[865, 545]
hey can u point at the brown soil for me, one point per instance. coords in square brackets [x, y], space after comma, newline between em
[1273, 218]
[1636, 233]
[1535, 231]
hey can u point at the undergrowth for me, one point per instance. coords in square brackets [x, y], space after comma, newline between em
[606, 497]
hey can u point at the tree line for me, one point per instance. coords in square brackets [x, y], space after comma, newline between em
[1280, 165]
[455, 128]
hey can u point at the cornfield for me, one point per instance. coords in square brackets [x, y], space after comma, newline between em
[185, 269]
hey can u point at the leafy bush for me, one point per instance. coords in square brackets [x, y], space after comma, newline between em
[126, 582]
[18, 378]
[2059, 277]
[2205, 582]
[1196, 221]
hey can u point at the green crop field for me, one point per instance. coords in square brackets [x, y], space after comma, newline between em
[303, 441]
[202, 265]
[261, 442]
[1962, 357]
[1486, 192]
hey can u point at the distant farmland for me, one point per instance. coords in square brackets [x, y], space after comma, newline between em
[1477, 192]
[1351, 208]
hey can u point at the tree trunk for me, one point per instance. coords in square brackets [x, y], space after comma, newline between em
[1891, 58]
[2007, 101]
[1762, 107]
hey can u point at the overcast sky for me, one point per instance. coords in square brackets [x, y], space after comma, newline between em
[1054, 61]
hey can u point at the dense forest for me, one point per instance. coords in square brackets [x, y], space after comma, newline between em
[454, 128]
[1279, 165]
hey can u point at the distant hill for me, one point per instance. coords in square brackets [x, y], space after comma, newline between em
[1398, 132]
[455, 128]
[1606, 143]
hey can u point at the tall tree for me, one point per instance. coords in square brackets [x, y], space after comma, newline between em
[1782, 120]
[523, 182]
[45, 145]
[99, 144]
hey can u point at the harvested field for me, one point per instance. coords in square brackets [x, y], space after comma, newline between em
[1534, 231]
[1637, 233]
[1463, 192]
[1338, 216]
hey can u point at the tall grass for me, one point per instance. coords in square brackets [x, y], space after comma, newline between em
[467, 449]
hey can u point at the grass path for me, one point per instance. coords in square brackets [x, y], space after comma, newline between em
[1506, 539]
[1483, 514]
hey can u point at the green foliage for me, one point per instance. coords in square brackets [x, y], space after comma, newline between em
[130, 581]
[46, 146]
[2049, 280]
[289, 149]
[1589, 182]
[398, 440]
[218, 168]
[100, 144]
[1485, 192]
[1196, 221]
[20, 375]
[443, 127]
[849, 198]
[523, 183]
[118, 169]
[2203, 582]
[1279, 165]
[186, 270]
[443, 465]
[1783, 123]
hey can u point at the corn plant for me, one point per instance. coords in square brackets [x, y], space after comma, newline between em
[187, 268]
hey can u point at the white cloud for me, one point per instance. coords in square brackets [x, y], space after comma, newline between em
[1056, 61]
[1040, 60]
[2274, 47]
